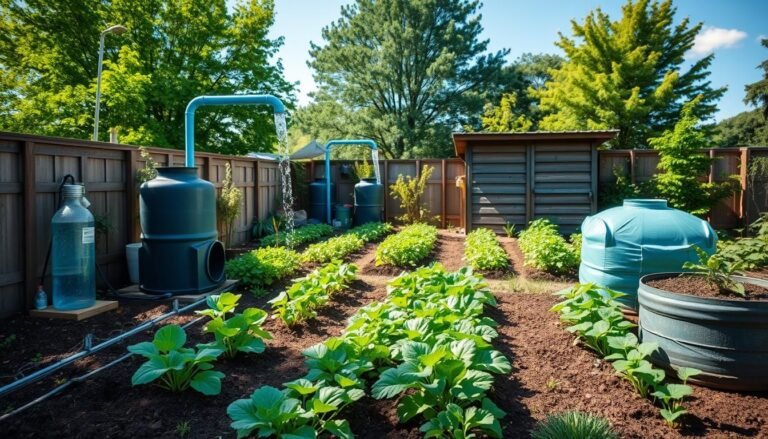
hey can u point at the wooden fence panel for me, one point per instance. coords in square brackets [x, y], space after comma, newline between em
[12, 273]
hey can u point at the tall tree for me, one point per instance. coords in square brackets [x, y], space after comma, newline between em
[748, 128]
[173, 51]
[405, 73]
[757, 92]
[628, 74]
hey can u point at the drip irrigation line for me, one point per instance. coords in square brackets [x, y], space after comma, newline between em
[89, 350]
[58, 389]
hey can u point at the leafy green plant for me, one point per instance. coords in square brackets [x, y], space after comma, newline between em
[271, 412]
[362, 169]
[299, 236]
[671, 396]
[509, 230]
[573, 425]
[334, 248]
[228, 204]
[717, 271]
[576, 240]
[595, 317]
[408, 247]
[306, 294]
[482, 251]
[751, 251]
[372, 232]
[239, 333]
[183, 429]
[614, 193]
[410, 190]
[263, 266]
[149, 171]
[545, 249]
[177, 368]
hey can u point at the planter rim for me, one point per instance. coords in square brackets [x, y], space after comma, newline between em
[743, 279]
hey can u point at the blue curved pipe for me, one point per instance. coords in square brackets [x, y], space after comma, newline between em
[201, 101]
[366, 142]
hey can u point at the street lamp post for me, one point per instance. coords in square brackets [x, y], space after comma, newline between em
[117, 30]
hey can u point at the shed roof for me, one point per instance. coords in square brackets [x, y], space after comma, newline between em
[460, 140]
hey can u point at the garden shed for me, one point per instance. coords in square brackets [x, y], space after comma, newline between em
[518, 177]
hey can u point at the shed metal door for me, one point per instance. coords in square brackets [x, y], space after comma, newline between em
[562, 179]
[499, 182]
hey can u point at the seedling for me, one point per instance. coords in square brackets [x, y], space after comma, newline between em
[717, 271]
[183, 429]
[671, 396]
[509, 229]
[552, 384]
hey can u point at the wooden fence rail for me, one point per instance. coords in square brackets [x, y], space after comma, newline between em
[32, 167]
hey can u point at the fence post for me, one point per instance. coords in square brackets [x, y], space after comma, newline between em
[442, 194]
[744, 196]
[631, 166]
[30, 238]
[131, 194]
[385, 182]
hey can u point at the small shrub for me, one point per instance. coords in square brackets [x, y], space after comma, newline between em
[301, 235]
[362, 170]
[750, 252]
[263, 266]
[509, 229]
[717, 271]
[228, 205]
[409, 191]
[576, 240]
[371, 232]
[408, 247]
[334, 248]
[176, 367]
[483, 252]
[544, 248]
[573, 425]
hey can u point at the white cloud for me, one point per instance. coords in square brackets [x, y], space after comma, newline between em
[714, 38]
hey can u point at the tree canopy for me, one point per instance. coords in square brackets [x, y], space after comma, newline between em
[173, 51]
[757, 92]
[404, 73]
[628, 74]
[748, 128]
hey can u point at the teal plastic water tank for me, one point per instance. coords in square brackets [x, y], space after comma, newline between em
[369, 201]
[317, 198]
[180, 253]
[622, 244]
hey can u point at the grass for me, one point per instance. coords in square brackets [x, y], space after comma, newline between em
[573, 425]
[516, 284]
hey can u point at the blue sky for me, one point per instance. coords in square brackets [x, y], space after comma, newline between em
[732, 30]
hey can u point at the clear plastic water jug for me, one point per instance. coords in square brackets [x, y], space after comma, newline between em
[73, 252]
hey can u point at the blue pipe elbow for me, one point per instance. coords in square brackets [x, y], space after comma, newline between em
[201, 101]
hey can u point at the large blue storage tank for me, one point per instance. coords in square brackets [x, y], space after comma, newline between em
[369, 201]
[318, 198]
[180, 253]
[622, 244]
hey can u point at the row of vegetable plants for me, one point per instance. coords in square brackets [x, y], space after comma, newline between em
[341, 246]
[407, 248]
[545, 249]
[482, 251]
[594, 316]
[428, 342]
[263, 266]
[306, 294]
[173, 366]
[299, 236]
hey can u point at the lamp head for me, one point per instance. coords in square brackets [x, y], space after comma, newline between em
[116, 29]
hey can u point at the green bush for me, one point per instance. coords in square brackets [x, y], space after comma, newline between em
[544, 249]
[371, 232]
[750, 252]
[408, 247]
[301, 235]
[263, 266]
[334, 248]
[483, 252]
[573, 425]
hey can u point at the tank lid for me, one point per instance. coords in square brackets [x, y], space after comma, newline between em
[73, 190]
[176, 170]
[646, 203]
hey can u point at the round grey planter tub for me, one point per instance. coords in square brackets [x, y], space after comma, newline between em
[726, 339]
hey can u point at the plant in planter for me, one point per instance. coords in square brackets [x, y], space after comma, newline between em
[717, 271]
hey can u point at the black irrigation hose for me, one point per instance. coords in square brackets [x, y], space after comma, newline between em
[58, 389]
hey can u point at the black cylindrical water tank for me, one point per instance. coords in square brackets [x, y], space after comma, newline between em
[180, 253]
[369, 201]
[317, 199]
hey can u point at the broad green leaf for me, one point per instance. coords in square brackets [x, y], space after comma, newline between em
[169, 338]
[339, 428]
[492, 361]
[411, 406]
[684, 373]
[145, 348]
[151, 370]
[302, 386]
[395, 381]
[304, 432]
[207, 382]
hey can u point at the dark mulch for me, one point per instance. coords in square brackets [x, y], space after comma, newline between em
[694, 285]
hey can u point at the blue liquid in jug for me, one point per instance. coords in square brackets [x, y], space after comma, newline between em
[73, 265]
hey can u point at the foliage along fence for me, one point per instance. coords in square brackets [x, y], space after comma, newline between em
[31, 168]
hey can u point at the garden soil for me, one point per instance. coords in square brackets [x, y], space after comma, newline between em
[698, 286]
[551, 374]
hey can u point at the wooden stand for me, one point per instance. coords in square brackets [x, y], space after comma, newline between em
[101, 306]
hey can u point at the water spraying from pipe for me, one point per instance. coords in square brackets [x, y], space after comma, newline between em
[284, 167]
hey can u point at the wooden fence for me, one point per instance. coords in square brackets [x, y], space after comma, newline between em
[32, 167]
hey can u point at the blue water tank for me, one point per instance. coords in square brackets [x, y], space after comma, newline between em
[622, 244]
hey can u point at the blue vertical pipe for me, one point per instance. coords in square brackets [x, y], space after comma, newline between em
[200, 101]
[365, 142]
